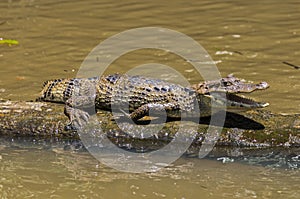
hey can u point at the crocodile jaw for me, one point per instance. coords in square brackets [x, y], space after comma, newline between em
[234, 101]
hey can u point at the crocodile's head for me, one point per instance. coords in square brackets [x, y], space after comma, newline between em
[225, 92]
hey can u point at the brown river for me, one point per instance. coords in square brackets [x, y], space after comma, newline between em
[254, 40]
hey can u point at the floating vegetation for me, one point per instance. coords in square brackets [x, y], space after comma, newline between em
[9, 41]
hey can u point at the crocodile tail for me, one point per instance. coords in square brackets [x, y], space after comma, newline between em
[46, 82]
[57, 90]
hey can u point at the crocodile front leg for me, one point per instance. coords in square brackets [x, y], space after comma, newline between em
[78, 117]
[81, 104]
[158, 109]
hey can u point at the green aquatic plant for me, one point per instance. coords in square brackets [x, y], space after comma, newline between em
[9, 41]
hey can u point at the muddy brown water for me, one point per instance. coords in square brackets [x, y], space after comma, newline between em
[251, 39]
[56, 173]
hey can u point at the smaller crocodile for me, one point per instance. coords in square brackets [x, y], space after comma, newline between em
[141, 95]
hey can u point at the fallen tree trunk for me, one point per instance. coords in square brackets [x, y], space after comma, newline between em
[47, 120]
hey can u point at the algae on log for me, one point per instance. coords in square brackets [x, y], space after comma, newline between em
[253, 128]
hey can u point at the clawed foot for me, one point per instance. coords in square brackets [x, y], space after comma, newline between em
[78, 118]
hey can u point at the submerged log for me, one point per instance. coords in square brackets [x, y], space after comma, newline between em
[46, 120]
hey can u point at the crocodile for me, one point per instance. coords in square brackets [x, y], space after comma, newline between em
[141, 95]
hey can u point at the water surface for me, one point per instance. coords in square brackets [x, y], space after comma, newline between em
[249, 39]
[41, 172]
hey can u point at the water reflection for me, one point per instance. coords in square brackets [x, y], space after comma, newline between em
[50, 169]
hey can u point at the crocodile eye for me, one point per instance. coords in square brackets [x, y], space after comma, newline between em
[112, 78]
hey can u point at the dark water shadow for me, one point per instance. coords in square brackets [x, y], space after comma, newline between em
[234, 120]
